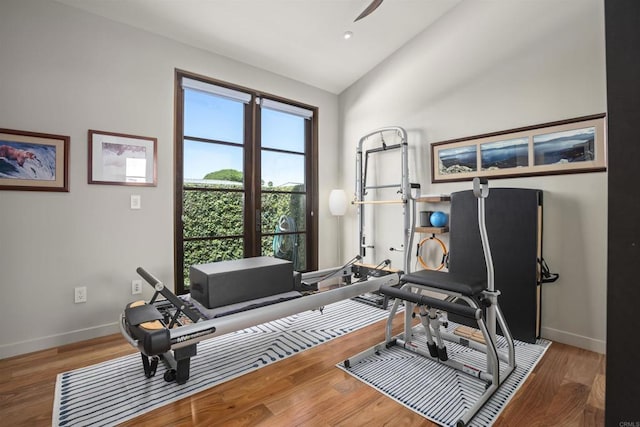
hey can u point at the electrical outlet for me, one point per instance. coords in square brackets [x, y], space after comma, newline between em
[80, 294]
[136, 286]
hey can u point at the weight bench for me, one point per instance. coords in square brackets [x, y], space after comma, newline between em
[481, 306]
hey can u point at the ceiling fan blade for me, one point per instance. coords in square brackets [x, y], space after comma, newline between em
[373, 6]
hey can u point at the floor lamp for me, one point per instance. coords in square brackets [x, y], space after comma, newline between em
[338, 207]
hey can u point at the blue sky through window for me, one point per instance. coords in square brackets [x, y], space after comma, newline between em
[283, 131]
[201, 158]
[213, 117]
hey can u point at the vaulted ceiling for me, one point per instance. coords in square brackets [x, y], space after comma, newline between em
[300, 39]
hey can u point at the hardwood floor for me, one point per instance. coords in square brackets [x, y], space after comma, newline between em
[565, 389]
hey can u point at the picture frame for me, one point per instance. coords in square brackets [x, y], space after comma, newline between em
[575, 145]
[121, 159]
[33, 161]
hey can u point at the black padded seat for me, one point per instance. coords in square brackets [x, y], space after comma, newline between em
[450, 282]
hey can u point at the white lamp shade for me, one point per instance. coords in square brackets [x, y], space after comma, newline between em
[338, 202]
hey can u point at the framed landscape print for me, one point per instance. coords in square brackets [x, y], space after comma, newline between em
[568, 146]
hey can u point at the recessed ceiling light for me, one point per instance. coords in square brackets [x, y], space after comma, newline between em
[347, 35]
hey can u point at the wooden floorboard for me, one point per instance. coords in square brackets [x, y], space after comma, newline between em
[565, 389]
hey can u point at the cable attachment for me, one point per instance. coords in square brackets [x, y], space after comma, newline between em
[546, 276]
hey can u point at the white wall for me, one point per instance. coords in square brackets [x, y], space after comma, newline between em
[63, 72]
[489, 66]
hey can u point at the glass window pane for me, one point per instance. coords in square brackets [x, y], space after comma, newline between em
[283, 212]
[212, 213]
[213, 117]
[282, 131]
[282, 171]
[211, 163]
[290, 247]
[565, 147]
[206, 251]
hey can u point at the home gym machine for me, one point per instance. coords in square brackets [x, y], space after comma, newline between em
[404, 187]
[229, 296]
[481, 306]
[363, 186]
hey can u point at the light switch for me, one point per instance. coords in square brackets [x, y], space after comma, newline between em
[135, 201]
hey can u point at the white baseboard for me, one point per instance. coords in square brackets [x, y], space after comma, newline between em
[599, 346]
[43, 343]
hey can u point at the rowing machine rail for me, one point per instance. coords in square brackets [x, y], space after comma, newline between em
[183, 339]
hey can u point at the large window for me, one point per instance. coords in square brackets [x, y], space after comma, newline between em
[245, 176]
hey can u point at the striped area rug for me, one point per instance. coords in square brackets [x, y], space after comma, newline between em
[112, 392]
[436, 391]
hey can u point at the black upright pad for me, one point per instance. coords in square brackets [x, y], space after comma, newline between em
[512, 226]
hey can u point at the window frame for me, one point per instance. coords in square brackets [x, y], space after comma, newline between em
[252, 172]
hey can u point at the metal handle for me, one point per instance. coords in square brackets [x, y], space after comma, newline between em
[480, 187]
[150, 278]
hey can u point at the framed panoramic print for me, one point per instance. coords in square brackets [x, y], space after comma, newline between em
[567, 146]
[33, 161]
[120, 159]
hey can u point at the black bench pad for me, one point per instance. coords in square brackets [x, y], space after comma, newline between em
[446, 281]
[416, 298]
